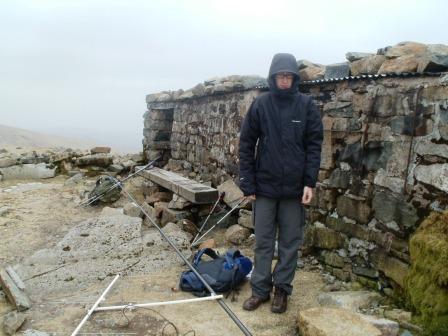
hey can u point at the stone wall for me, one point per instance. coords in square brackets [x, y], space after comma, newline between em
[384, 161]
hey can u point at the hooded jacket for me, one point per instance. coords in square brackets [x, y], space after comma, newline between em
[281, 138]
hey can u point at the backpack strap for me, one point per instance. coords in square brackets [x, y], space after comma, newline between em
[208, 251]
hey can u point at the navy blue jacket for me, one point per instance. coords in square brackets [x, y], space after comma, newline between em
[280, 140]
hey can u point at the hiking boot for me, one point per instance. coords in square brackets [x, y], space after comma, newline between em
[254, 302]
[280, 301]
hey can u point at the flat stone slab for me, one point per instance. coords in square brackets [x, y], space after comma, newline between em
[193, 191]
[334, 322]
[28, 171]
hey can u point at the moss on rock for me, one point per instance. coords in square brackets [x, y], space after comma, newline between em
[427, 281]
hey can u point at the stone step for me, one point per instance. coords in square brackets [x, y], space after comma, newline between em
[193, 191]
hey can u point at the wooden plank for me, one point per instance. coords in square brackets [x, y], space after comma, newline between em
[14, 294]
[193, 191]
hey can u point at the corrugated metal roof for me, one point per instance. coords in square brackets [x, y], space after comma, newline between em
[360, 77]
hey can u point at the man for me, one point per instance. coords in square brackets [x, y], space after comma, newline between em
[280, 147]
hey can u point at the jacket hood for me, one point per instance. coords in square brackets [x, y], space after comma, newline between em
[283, 63]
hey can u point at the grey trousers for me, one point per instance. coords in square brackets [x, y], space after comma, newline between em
[287, 218]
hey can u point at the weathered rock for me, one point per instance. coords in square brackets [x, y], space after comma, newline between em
[97, 248]
[116, 168]
[160, 196]
[233, 194]
[353, 207]
[100, 150]
[312, 73]
[133, 210]
[332, 259]
[237, 234]
[99, 160]
[389, 207]
[435, 175]
[351, 300]
[367, 65]
[7, 162]
[394, 184]
[339, 179]
[14, 291]
[245, 219]
[188, 226]
[28, 171]
[339, 109]
[435, 60]
[171, 215]
[12, 322]
[209, 243]
[404, 49]
[366, 272]
[387, 327]
[337, 70]
[178, 202]
[334, 322]
[358, 247]
[390, 266]
[326, 238]
[355, 56]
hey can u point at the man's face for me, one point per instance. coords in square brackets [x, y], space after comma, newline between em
[283, 80]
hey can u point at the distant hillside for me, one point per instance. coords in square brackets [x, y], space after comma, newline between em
[12, 137]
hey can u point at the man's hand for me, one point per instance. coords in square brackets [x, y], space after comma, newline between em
[249, 198]
[307, 195]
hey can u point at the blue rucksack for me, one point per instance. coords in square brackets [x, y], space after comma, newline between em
[223, 273]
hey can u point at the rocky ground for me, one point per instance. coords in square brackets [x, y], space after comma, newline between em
[67, 255]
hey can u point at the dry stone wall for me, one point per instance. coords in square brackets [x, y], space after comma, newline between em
[384, 162]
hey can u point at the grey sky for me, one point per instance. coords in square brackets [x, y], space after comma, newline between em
[84, 67]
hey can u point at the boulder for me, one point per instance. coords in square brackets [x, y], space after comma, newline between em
[393, 268]
[7, 162]
[351, 300]
[12, 322]
[233, 194]
[178, 202]
[133, 210]
[98, 160]
[245, 219]
[435, 175]
[353, 207]
[209, 243]
[312, 73]
[325, 321]
[355, 56]
[100, 150]
[28, 171]
[325, 238]
[405, 63]
[387, 327]
[171, 215]
[237, 234]
[389, 207]
[367, 65]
